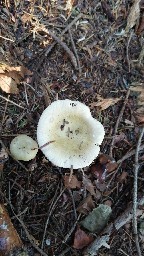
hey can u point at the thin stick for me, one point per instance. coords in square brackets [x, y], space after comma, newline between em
[129, 154]
[65, 47]
[64, 31]
[49, 214]
[120, 161]
[3, 119]
[49, 48]
[75, 51]
[127, 50]
[136, 169]
[73, 202]
[5, 38]
[10, 101]
[118, 120]
[71, 230]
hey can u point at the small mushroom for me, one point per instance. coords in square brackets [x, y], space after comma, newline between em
[23, 148]
[68, 135]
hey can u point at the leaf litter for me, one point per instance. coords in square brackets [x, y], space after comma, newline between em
[105, 68]
[10, 77]
[81, 239]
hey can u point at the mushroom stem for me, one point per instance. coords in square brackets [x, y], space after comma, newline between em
[71, 173]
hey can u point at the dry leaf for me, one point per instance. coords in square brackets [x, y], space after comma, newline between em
[104, 158]
[26, 17]
[71, 182]
[9, 238]
[108, 202]
[81, 239]
[104, 165]
[99, 171]
[111, 166]
[10, 77]
[88, 185]
[8, 85]
[133, 15]
[141, 26]
[104, 103]
[86, 205]
[123, 176]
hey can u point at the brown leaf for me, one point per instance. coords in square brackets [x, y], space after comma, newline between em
[133, 15]
[81, 239]
[8, 85]
[10, 77]
[108, 202]
[22, 71]
[104, 103]
[123, 176]
[111, 166]
[88, 185]
[71, 182]
[86, 205]
[104, 158]
[98, 170]
[9, 238]
[141, 26]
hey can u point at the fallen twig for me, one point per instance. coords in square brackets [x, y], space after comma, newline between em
[120, 161]
[71, 230]
[118, 120]
[48, 50]
[52, 207]
[104, 237]
[10, 101]
[129, 154]
[136, 169]
[65, 47]
[75, 51]
[127, 50]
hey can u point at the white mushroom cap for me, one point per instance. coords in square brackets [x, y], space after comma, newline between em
[23, 148]
[73, 134]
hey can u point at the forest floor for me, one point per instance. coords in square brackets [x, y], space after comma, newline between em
[99, 63]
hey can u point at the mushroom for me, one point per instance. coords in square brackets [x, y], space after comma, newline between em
[23, 148]
[68, 135]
